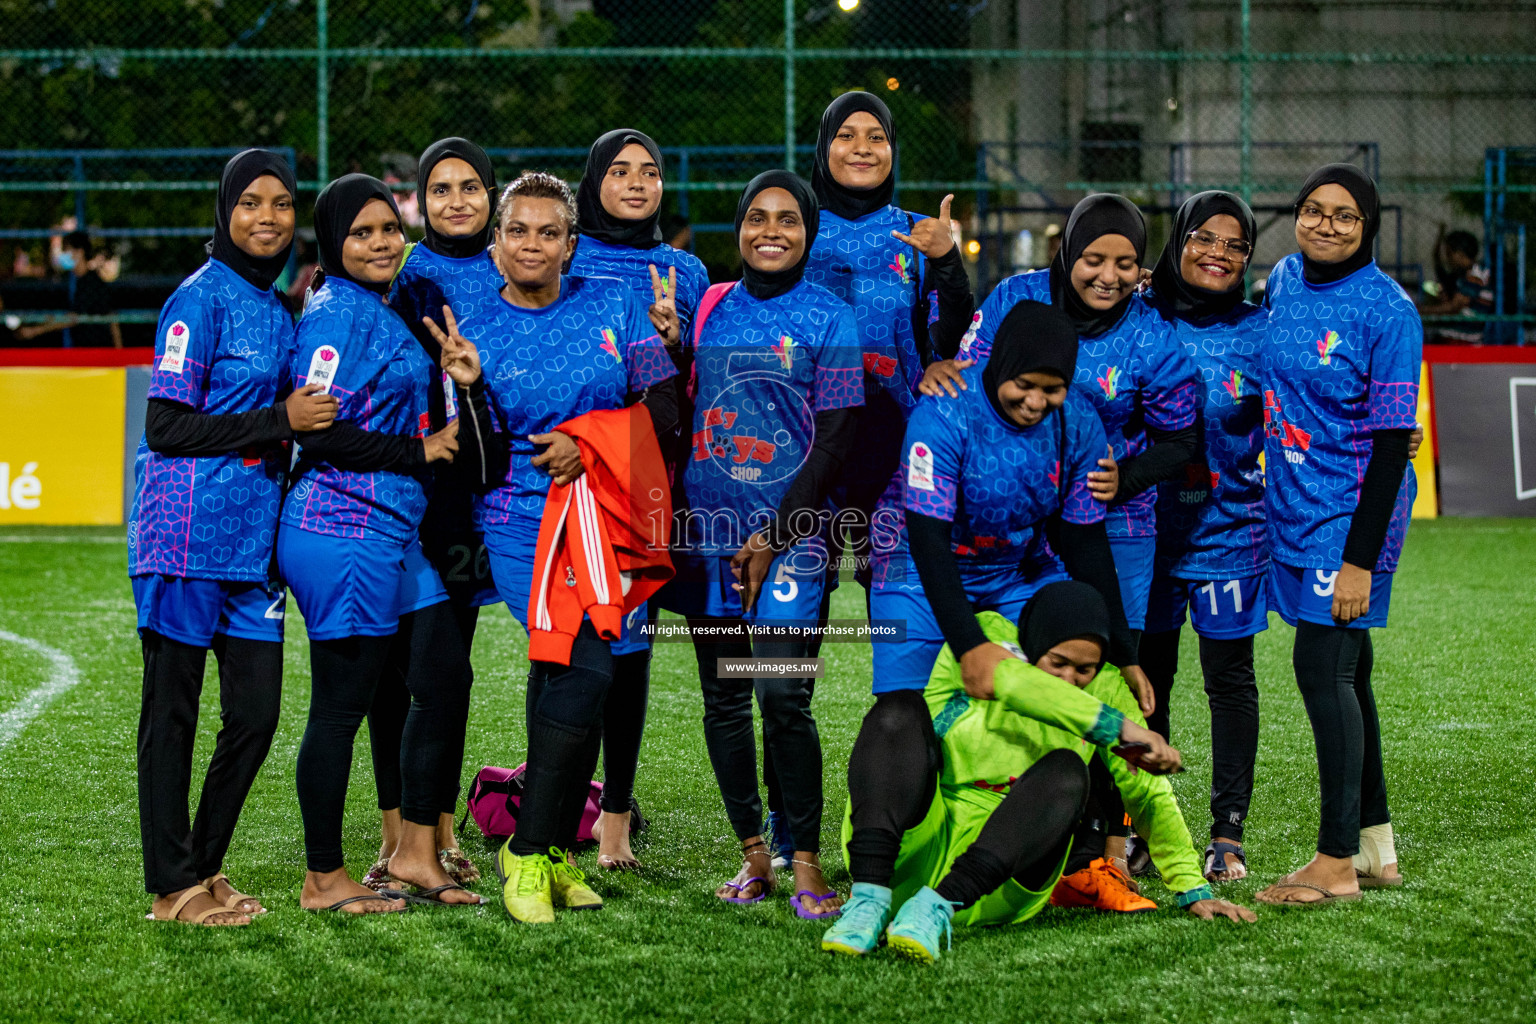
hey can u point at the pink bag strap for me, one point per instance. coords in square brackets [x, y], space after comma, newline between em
[707, 304]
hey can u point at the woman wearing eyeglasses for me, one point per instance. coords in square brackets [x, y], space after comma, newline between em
[1211, 550]
[1341, 379]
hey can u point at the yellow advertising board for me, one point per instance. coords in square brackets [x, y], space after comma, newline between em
[1427, 504]
[61, 445]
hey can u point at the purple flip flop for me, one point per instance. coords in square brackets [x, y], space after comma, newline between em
[806, 915]
[762, 894]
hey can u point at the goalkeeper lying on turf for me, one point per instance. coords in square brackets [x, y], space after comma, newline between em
[963, 799]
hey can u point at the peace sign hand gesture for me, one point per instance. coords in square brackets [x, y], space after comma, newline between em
[663, 311]
[461, 360]
[931, 235]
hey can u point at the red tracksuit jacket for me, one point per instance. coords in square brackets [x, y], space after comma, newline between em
[603, 540]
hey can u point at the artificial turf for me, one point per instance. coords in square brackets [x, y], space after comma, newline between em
[1453, 680]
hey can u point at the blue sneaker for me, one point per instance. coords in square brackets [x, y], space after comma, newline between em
[920, 924]
[858, 931]
[781, 847]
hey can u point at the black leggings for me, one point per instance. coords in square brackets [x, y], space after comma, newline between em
[345, 677]
[789, 731]
[179, 853]
[1233, 693]
[1333, 671]
[623, 727]
[565, 717]
[893, 775]
[392, 703]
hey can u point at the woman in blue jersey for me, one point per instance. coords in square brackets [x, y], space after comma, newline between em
[1211, 549]
[618, 207]
[208, 479]
[987, 476]
[553, 347]
[1130, 367]
[452, 266]
[1341, 379]
[779, 380]
[902, 275]
[349, 550]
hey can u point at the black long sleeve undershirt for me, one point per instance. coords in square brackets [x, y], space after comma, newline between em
[1170, 452]
[939, 574]
[1085, 552]
[957, 303]
[798, 514]
[662, 401]
[1378, 496]
[349, 447]
[171, 428]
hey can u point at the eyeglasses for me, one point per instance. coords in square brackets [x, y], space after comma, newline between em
[1207, 241]
[1343, 221]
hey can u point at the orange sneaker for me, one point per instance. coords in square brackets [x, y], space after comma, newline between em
[1099, 886]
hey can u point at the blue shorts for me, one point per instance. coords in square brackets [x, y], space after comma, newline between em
[906, 666]
[1307, 595]
[704, 587]
[421, 586]
[348, 586]
[510, 548]
[1219, 609]
[1133, 565]
[193, 612]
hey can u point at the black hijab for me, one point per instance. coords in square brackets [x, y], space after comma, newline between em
[336, 208]
[1100, 214]
[768, 285]
[1062, 611]
[1359, 185]
[1033, 338]
[591, 218]
[1177, 296]
[458, 247]
[242, 169]
[851, 203]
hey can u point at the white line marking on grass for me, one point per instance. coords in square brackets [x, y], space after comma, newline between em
[65, 675]
[26, 538]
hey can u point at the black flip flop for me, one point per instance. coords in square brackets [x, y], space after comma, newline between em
[353, 899]
[433, 896]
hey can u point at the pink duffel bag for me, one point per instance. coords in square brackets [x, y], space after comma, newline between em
[496, 793]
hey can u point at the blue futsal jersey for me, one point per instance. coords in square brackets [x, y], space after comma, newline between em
[1210, 521]
[586, 350]
[222, 346]
[367, 358]
[1341, 361]
[596, 258]
[860, 262]
[1136, 375]
[996, 482]
[766, 367]
[428, 281]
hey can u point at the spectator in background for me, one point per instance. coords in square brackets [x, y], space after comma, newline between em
[1468, 290]
[89, 293]
[13, 334]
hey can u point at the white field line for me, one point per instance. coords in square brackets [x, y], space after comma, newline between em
[65, 676]
[54, 538]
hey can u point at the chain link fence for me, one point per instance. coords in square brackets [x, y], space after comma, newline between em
[120, 114]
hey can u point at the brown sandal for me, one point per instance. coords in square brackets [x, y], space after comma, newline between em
[235, 896]
[202, 917]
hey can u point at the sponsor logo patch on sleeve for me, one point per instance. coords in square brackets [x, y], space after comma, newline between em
[177, 337]
[322, 368]
[920, 467]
